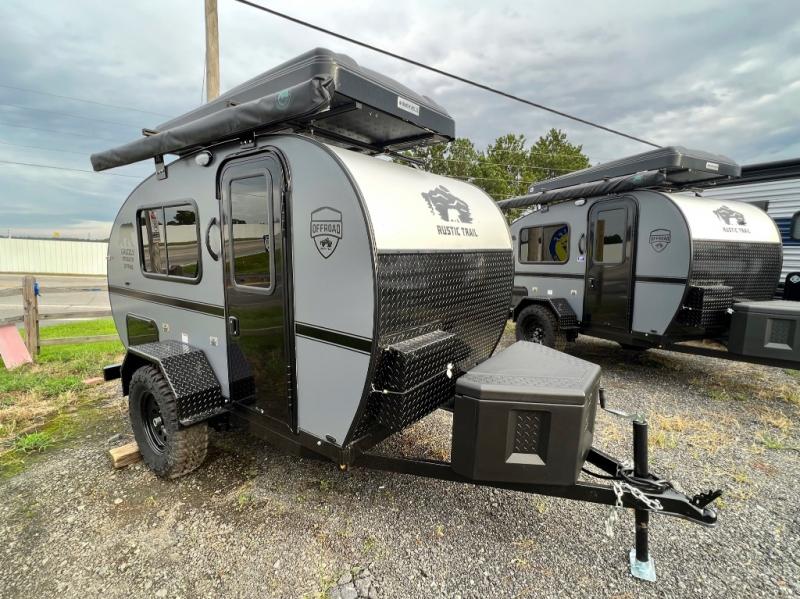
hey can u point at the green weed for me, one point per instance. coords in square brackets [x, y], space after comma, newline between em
[38, 441]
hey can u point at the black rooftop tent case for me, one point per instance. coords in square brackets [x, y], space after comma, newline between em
[320, 92]
[672, 166]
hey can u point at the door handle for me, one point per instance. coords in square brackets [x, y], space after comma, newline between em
[211, 252]
[592, 282]
[233, 326]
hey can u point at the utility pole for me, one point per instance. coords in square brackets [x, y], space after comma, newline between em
[212, 50]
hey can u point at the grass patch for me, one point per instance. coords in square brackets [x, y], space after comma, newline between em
[79, 328]
[38, 441]
[35, 398]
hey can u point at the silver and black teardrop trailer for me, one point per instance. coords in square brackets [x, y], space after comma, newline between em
[281, 276]
[630, 251]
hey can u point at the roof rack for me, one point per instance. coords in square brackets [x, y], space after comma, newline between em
[680, 166]
[320, 91]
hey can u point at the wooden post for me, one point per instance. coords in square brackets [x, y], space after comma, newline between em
[212, 50]
[30, 304]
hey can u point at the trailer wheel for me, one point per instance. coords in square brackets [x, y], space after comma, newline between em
[168, 449]
[538, 324]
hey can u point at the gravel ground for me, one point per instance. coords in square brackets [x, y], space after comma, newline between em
[256, 523]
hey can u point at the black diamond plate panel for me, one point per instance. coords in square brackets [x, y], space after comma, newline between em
[751, 270]
[567, 319]
[197, 392]
[409, 363]
[781, 331]
[527, 432]
[707, 307]
[466, 294]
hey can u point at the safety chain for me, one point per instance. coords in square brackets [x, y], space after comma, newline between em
[619, 490]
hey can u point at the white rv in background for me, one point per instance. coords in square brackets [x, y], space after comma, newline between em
[775, 188]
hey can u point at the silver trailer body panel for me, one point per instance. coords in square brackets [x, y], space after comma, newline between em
[399, 236]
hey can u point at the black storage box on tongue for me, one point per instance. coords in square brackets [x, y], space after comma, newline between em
[525, 415]
[768, 329]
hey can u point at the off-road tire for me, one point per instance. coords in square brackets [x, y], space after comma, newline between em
[539, 324]
[183, 448]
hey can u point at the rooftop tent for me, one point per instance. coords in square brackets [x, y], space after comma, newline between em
[680, 166]
[669, 167]
[319, 92]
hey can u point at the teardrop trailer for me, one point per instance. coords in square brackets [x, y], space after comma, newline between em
[280, 276]
[629, 251]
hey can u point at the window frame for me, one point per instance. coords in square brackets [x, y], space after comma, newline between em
[794, 224]
[624, 244]
[543, 226]
[167, 277]
[268, 181]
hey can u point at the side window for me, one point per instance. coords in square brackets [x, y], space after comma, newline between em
[794, 232]
[546, 243]
[250, 231]
[183, 245]
[169, 241]
[609, 236]
[153, 241]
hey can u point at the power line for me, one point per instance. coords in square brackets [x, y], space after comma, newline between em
[445, 73]
[33, 91]
[59, 132]
[5, 143]
[64, 168]
[72, 116]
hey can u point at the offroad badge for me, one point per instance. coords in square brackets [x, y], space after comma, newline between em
[326, 230]
[660, 239]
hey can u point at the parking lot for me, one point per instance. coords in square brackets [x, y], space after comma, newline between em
[254, 521]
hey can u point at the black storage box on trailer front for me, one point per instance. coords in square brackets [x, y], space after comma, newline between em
[769, 329]
[525, 415]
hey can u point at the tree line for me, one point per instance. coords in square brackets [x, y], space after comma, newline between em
[506, 168]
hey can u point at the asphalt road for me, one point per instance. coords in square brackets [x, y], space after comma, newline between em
[70, 302]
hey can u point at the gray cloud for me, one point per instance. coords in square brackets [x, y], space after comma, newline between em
[710, 74]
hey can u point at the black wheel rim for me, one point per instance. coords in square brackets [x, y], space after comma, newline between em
[533, 331]
[153, 423]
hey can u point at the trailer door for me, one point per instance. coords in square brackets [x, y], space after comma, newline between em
[255, 286]
[608, 294]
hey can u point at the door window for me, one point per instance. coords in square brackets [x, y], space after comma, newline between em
[250, 232]
[794, 233]
[609, 236]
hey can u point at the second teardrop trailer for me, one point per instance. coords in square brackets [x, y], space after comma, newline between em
[629, 251]
[279, 275]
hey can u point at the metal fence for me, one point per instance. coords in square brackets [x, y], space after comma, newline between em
[52, 256]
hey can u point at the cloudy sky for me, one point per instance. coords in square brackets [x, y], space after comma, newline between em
[721, 76]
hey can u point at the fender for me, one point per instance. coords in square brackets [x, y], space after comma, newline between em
[197, 391]
[567, 319]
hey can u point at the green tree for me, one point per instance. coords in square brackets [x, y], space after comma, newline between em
[506, 168]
